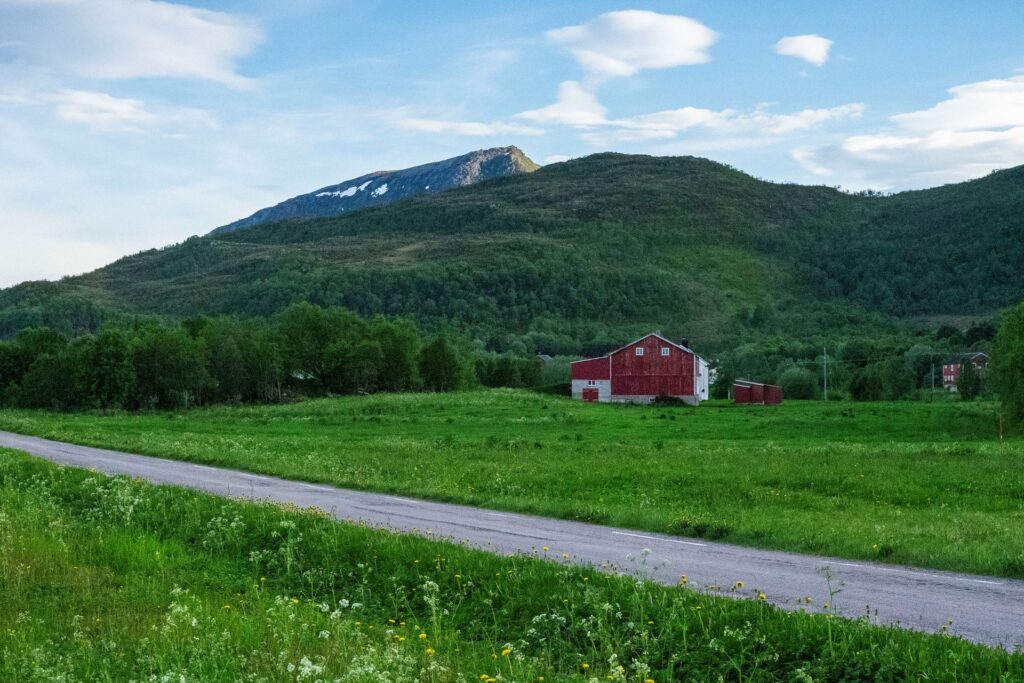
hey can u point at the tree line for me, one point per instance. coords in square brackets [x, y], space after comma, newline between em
[883, 368]
[306, 350]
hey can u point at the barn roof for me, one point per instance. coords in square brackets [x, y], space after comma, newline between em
[626, 346]
[651, 334]
[957, 357]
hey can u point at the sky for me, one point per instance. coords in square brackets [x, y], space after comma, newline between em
[132, 124]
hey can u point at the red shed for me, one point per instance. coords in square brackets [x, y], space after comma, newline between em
[745, 391]
[641, 371]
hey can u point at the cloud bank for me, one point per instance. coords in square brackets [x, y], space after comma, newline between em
[118, 39]
[978, 128]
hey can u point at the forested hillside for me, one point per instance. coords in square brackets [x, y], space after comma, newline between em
[587, 252]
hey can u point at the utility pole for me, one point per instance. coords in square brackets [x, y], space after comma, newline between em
[824, 371]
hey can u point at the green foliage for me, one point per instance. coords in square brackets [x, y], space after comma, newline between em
[399, 342]
[834, 479]
[799, 383]
[307, 334]
[509, 371]
[306, 350]
[1008, 359]
[441, 366]
[110, 369]
[968, 383]
[113, 579]
[170, 368]
[57, 381]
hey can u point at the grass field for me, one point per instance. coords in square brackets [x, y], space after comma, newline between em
[927, 484]
[109, 579]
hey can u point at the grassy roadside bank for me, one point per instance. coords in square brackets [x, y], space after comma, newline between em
[113, 579]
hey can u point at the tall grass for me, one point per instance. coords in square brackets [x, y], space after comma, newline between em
[109, 579]
[912, 483]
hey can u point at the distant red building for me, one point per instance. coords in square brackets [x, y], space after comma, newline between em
[744, 391]
[951, 368]
[641, 371]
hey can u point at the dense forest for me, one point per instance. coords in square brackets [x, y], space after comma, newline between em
[582, 255]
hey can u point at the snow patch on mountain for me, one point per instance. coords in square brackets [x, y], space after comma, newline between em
[347, 192]
[379, 192]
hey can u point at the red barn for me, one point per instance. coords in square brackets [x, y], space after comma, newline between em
[641, 371]
[951, 368]
[745, 391]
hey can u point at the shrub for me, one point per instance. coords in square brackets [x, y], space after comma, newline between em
[1008, 363]
[799, 383]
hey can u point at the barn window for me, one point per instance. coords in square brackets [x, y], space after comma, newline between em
[665, 351]
[639, 350]
[592, 382]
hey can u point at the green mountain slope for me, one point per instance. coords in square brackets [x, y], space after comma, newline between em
[591, 249]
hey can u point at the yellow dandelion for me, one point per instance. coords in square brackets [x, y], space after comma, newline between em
[506, 652]
[545, 548]
[429, 651]
[423, 636]
[585, 666]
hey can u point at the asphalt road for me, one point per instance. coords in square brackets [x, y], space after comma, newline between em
[983, 609]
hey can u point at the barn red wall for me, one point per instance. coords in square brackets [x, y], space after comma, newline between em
[652, 374]
[741, 394]
[772, 394]
[757, 393]
[594, 368]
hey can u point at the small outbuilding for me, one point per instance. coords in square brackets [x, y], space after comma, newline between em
[745, 391]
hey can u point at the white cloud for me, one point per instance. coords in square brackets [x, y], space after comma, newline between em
[623, 43]
[556, 159]
[975, 106]
[578, 108]
[467, 128]
[980, 127]
[810, 48]
[575, 107]
[780, 124]
[102, 111]
[114, 39]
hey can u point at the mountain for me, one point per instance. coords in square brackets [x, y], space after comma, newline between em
[598, 248]
[384, 187]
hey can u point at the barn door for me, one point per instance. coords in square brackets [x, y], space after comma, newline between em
[590, 394]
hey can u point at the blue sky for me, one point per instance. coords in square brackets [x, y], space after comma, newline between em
[130, 124]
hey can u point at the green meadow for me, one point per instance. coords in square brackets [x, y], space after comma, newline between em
[110, 579]
[927, 484]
